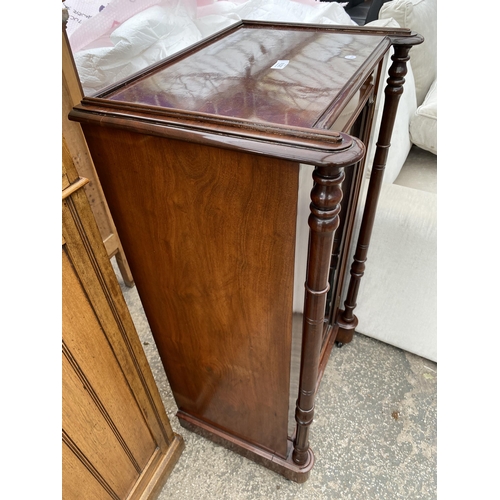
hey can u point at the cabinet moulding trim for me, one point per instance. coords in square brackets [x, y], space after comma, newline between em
[117, 318]
[98, 403]
[88, 465]
[75, 186]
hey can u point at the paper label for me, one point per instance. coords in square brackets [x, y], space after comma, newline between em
[280, 64]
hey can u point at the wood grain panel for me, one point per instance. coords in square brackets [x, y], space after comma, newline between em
[210, 237]
[103, 292]
[117, 439]
[92, 358]
[92, 435]
[78, 481]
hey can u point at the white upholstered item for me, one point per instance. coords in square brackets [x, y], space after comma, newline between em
[397, 300]
[423, 125]
[420, 16]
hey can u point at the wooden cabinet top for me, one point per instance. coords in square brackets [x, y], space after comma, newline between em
[278, 83]
[278, 76]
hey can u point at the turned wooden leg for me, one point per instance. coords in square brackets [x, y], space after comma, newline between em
[346, 319]
[323, 221]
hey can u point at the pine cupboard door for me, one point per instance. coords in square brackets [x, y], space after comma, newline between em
[117, 440]
[72, 94]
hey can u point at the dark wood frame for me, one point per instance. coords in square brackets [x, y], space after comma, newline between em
[333, 153]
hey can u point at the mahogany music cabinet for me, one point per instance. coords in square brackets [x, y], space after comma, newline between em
[199, 158]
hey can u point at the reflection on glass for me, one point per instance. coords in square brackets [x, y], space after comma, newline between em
[234, 77]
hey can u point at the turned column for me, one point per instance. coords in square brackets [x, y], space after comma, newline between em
[346, 319]
[323, 221]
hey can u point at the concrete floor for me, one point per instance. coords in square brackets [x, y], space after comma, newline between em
[419, 171]
[374, 435]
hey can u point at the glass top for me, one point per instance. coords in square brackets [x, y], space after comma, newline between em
[279, 76]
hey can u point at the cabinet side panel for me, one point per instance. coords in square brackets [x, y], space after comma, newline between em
[210, 236]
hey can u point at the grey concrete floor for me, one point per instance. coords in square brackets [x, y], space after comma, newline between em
[374, 434]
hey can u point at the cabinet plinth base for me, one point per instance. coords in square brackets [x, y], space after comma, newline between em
[285, 467]
[163, 469]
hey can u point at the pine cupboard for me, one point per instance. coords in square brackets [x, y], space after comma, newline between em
[117, 442]
[71, 95]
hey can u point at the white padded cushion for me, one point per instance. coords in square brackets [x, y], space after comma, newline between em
[423, 126]
[397, 299]
[420, 16]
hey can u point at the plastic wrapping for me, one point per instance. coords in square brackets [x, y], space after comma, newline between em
[113, 39]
